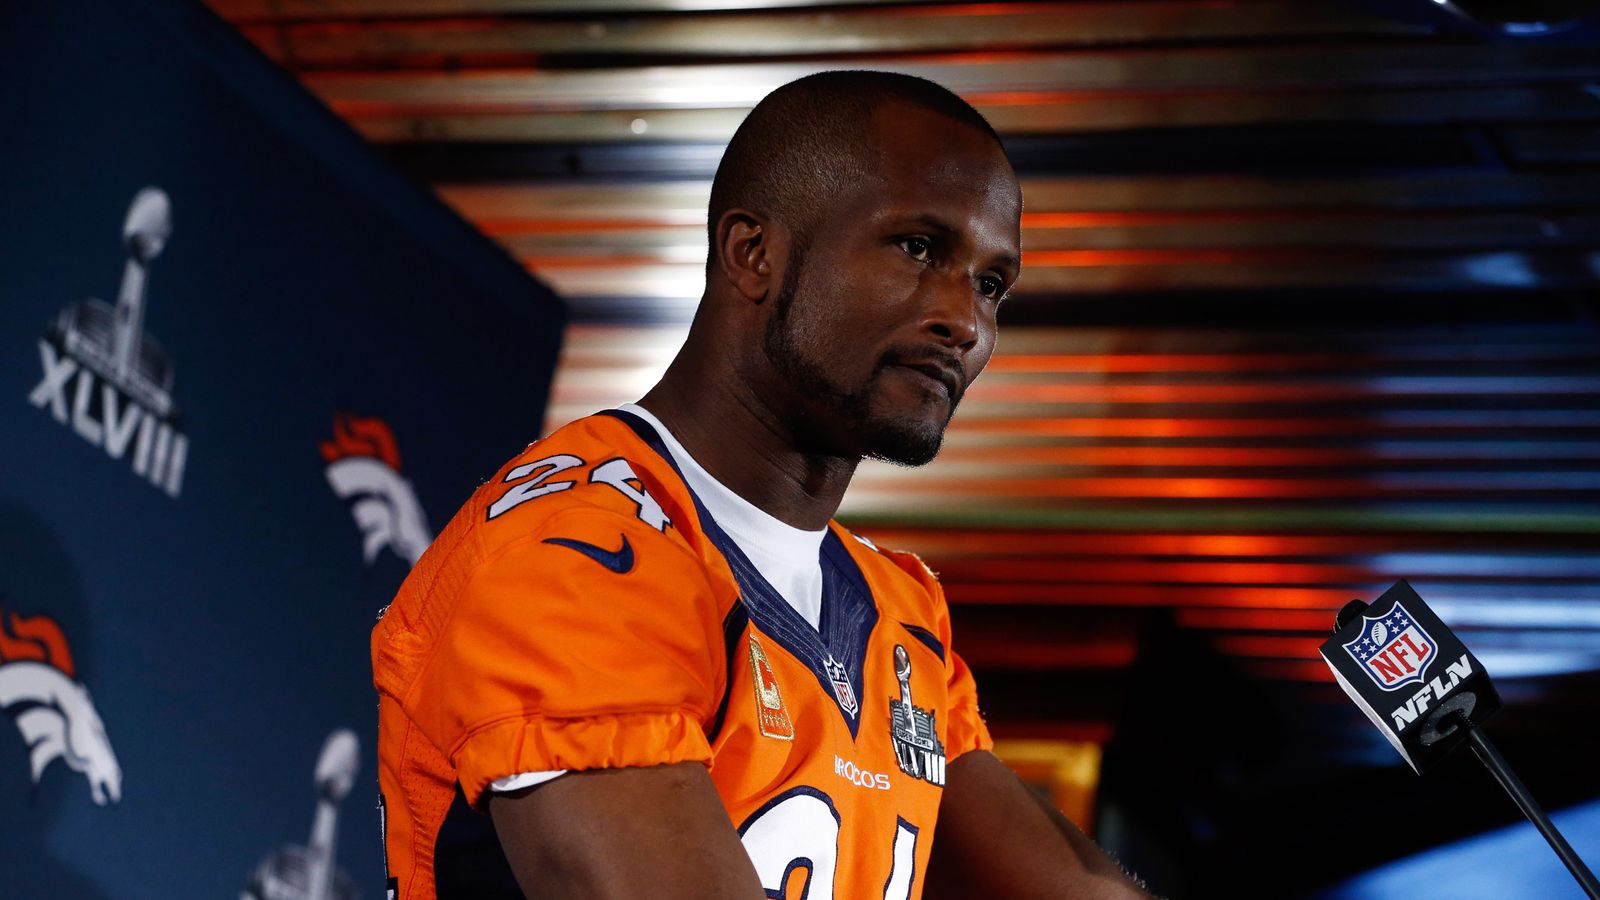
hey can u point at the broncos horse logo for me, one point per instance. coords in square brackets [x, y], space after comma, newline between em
[364, 464]
[39, 690]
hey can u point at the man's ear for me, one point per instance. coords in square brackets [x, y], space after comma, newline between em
[749, 250]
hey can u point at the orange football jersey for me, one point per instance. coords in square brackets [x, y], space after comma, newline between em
[583, 611]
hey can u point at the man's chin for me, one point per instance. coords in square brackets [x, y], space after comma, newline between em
[904, 442]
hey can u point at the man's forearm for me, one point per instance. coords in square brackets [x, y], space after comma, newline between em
[1089, 853]
[998, 840]
[623, 833]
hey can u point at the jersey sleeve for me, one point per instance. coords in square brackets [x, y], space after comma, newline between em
[966, 730]
[592, 642]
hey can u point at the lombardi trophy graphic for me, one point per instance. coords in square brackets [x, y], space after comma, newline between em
[308, 873]
[145, 232]
[112, 341]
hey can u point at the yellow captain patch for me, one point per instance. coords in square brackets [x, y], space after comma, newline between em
[771, 715]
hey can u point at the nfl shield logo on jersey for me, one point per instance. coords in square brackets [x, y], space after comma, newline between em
[1393, 649]
[842, 690]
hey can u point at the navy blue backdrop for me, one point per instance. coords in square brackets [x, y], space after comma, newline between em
[245, 373]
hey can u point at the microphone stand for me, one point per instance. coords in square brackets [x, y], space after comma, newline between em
[1497, 766]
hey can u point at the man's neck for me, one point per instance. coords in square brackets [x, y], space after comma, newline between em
[746, 446]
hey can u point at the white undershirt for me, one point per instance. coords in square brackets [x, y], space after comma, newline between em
[788, 558]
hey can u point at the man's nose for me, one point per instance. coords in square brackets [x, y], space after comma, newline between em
[951, 315]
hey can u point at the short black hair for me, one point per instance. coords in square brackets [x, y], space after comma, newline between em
[809, 140]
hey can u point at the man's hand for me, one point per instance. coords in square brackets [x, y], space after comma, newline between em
[997, 840]
[659, 832]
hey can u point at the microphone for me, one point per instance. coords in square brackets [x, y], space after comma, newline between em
[1427, 693]
[1410, 674]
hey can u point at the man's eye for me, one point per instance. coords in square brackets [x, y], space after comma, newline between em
[991, 287]
[917, 248]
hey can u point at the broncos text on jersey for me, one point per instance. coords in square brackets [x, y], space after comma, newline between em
[584, 611]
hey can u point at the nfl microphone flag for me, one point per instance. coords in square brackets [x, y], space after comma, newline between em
[1426, 692]
[1406, 670]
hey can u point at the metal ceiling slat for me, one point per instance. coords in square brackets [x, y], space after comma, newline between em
[1203, 505]
[1490, 190]
[1402, 450]
[1192, 350]
[957, 544]
[1466, 490]
[1155, 271]
[1470, 518]
[1350, 424]
[1043, 113]
[1047, 274]
[1369, 393]
[244, 11]
[1332, 149]
[1371, 390]
[1462, 231]
[700, 125]
[1267, 571]
[1265, 426]
[1229, 462]
[496, 205]
[1552, 145]
[658, 202]
[958, 456]
[907, 29]
[975, 75]
[1323, 598]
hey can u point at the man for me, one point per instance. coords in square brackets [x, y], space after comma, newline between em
[644, 648]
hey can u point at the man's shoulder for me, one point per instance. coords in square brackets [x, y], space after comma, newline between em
[594, 467]
[594, 473]
[907, 591]
[901, 567]
[592, 502]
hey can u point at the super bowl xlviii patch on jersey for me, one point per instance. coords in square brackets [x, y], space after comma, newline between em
[916, 741]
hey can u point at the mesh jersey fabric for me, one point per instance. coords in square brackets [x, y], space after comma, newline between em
[581, 611]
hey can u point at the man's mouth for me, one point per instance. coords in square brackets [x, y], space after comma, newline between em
[938, 375]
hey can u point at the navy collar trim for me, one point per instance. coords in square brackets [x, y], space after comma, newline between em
[835, 651]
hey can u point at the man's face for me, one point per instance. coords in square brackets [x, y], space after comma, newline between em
[887, 312]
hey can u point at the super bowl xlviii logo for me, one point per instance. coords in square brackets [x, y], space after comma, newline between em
[105, 377]
[41, 694]
[916, 741]
[364, 469]
[1393, 649]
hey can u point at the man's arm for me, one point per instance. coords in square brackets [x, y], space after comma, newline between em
[997, 840]
[659, 832]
